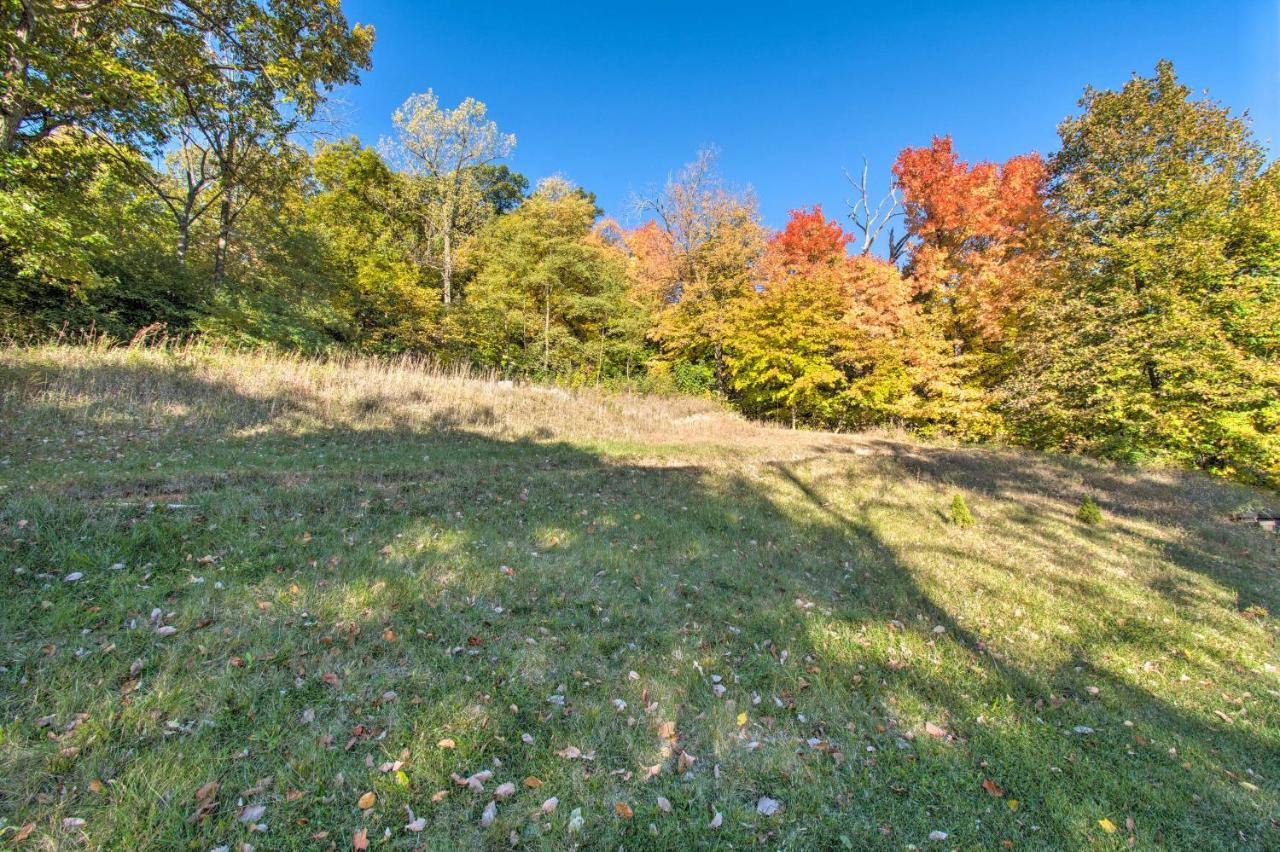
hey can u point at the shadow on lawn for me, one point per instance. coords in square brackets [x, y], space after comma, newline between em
[636, 567]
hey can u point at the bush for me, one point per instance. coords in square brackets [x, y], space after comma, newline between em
[693, 379]
[1089, 512]
[960, 514]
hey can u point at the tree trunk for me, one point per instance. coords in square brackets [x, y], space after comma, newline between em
[12, 108]
[446, 269]
[546, 332]
[224, 240]
[184, 237]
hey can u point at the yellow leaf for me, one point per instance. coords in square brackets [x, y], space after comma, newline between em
[742, 719]
[366, 801]
[1013, 804]
[401, 778]
[1107, 825]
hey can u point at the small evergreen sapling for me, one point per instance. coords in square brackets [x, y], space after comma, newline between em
[960, 514]
[1089, 512]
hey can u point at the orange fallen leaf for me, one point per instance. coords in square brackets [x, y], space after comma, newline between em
[533, 782]
[446, 743]
[331, 679]
[992, 787]
[934, 730]
[360, 840]
[624, 810]
[366, 801]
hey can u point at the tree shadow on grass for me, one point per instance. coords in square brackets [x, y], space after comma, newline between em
[365, 616]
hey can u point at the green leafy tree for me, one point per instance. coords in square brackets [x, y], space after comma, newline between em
[547, 294]
[449, 156]
[387, 298]
[1161, 342]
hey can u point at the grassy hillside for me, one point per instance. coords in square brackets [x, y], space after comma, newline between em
[329, 588]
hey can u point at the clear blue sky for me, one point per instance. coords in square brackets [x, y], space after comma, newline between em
[617, 95]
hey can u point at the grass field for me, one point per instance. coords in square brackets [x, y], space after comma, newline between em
[328, 589]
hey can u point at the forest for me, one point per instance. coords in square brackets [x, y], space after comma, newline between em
[170, 168]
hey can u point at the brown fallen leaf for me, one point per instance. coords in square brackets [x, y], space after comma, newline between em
[684, 762]
[624, 810]
[367, 801]
[360, 840]
[533, 782]
[24, 832]
[446, 743]
[331, 679]
[438, 795]
[992, 787]
[934, 730]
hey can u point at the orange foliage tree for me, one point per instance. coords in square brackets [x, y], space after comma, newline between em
[975, 235]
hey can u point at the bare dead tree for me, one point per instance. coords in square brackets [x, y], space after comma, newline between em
[871, 222]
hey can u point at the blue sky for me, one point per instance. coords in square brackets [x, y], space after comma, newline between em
[616, 96]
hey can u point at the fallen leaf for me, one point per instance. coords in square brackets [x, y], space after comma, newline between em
[742, 719]
[623, 809]
[938, 835]
[446, 743]
[685, 761]
[490, 814]
[360, 840]
[767, 807]
[1107, 825]
[24, 832]
[504, 790]
[366, 801]
[992, 787]
[331, 679]
[438, 795]
[717, 820]
[252, 813]
[934, 730]
[533, 782]
[549, 806]
[570, 752]
[664, 805]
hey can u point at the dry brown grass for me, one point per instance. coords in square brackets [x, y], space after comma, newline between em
[199, 386]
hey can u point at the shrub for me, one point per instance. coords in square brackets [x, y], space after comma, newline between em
[1089, 513]
[960, 514]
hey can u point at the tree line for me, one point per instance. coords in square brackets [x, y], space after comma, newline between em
[162, 163]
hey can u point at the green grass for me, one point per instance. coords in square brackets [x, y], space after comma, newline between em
[290, 529]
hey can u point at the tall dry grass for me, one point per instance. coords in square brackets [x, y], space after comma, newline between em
[169, 385]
